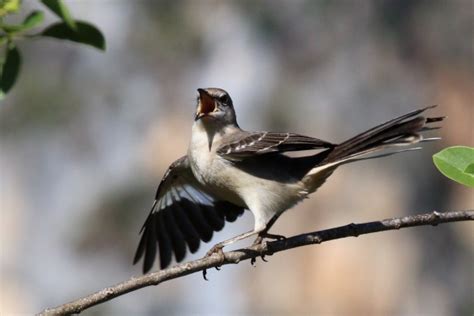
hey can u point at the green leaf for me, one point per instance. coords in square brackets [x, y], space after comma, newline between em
[32, 20]
[470, 169]
[8, 28]
[457, 163]
[86, 34]
[61, 10]
[10, 69]
[9, 6]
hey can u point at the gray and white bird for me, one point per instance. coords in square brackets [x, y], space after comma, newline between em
[228, 170]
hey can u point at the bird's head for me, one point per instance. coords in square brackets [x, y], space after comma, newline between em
[214, 107]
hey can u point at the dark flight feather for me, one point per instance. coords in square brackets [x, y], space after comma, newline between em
[182, 215]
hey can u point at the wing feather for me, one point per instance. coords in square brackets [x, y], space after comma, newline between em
[176, 236]
[228, 211]
[164, 242]
[182, 215]
[190, 234]
[261, 143]
[197, 219]
[212, 217]
[150, 248]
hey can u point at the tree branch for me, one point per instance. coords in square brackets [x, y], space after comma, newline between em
[266, 248]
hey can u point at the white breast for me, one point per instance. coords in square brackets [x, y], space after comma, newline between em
[209, 169]
[263, 197]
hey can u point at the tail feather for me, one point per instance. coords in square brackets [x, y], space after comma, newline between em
[368, 133]
[385, 154]
[380, 141]
[426, 129]
[401, 131]
[435, 119]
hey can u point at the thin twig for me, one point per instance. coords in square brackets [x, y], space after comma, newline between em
[266, 248]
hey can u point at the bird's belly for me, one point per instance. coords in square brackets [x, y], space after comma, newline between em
[268, 192]
[264, 198]
[255, 193]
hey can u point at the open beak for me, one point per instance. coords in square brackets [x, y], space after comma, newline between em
[206, 104]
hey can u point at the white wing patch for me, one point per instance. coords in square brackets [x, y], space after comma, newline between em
[260, 143]
[274, 145]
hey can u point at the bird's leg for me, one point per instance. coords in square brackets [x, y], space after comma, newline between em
[264, 234]
[217, 248]
[259, 240]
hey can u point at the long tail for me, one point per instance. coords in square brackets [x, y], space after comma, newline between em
[382, 140]
[403, 131]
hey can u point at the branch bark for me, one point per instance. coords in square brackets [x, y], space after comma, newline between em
[266, 248]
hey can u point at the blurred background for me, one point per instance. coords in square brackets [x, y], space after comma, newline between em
[86, 136]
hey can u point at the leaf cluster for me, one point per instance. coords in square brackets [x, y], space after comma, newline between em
[66, 29]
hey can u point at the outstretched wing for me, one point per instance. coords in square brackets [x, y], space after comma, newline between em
[181, 216]
[260, 143]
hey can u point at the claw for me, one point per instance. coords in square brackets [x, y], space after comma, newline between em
[204, 274]
[254, 260]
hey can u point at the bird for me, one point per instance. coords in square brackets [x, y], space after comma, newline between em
[228, 170]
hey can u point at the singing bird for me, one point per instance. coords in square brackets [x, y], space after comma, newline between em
[228, 170]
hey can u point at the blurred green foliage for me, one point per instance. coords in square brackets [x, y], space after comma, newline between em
[9, 6]
[68, 29]
[10, 68]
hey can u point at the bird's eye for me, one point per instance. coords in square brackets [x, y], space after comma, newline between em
[224, 99]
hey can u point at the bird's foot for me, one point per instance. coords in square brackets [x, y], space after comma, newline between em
[254, 260]
[262, 236]
[216, 249]
[259, 240]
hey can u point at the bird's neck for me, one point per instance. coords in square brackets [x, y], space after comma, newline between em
[209, 134]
